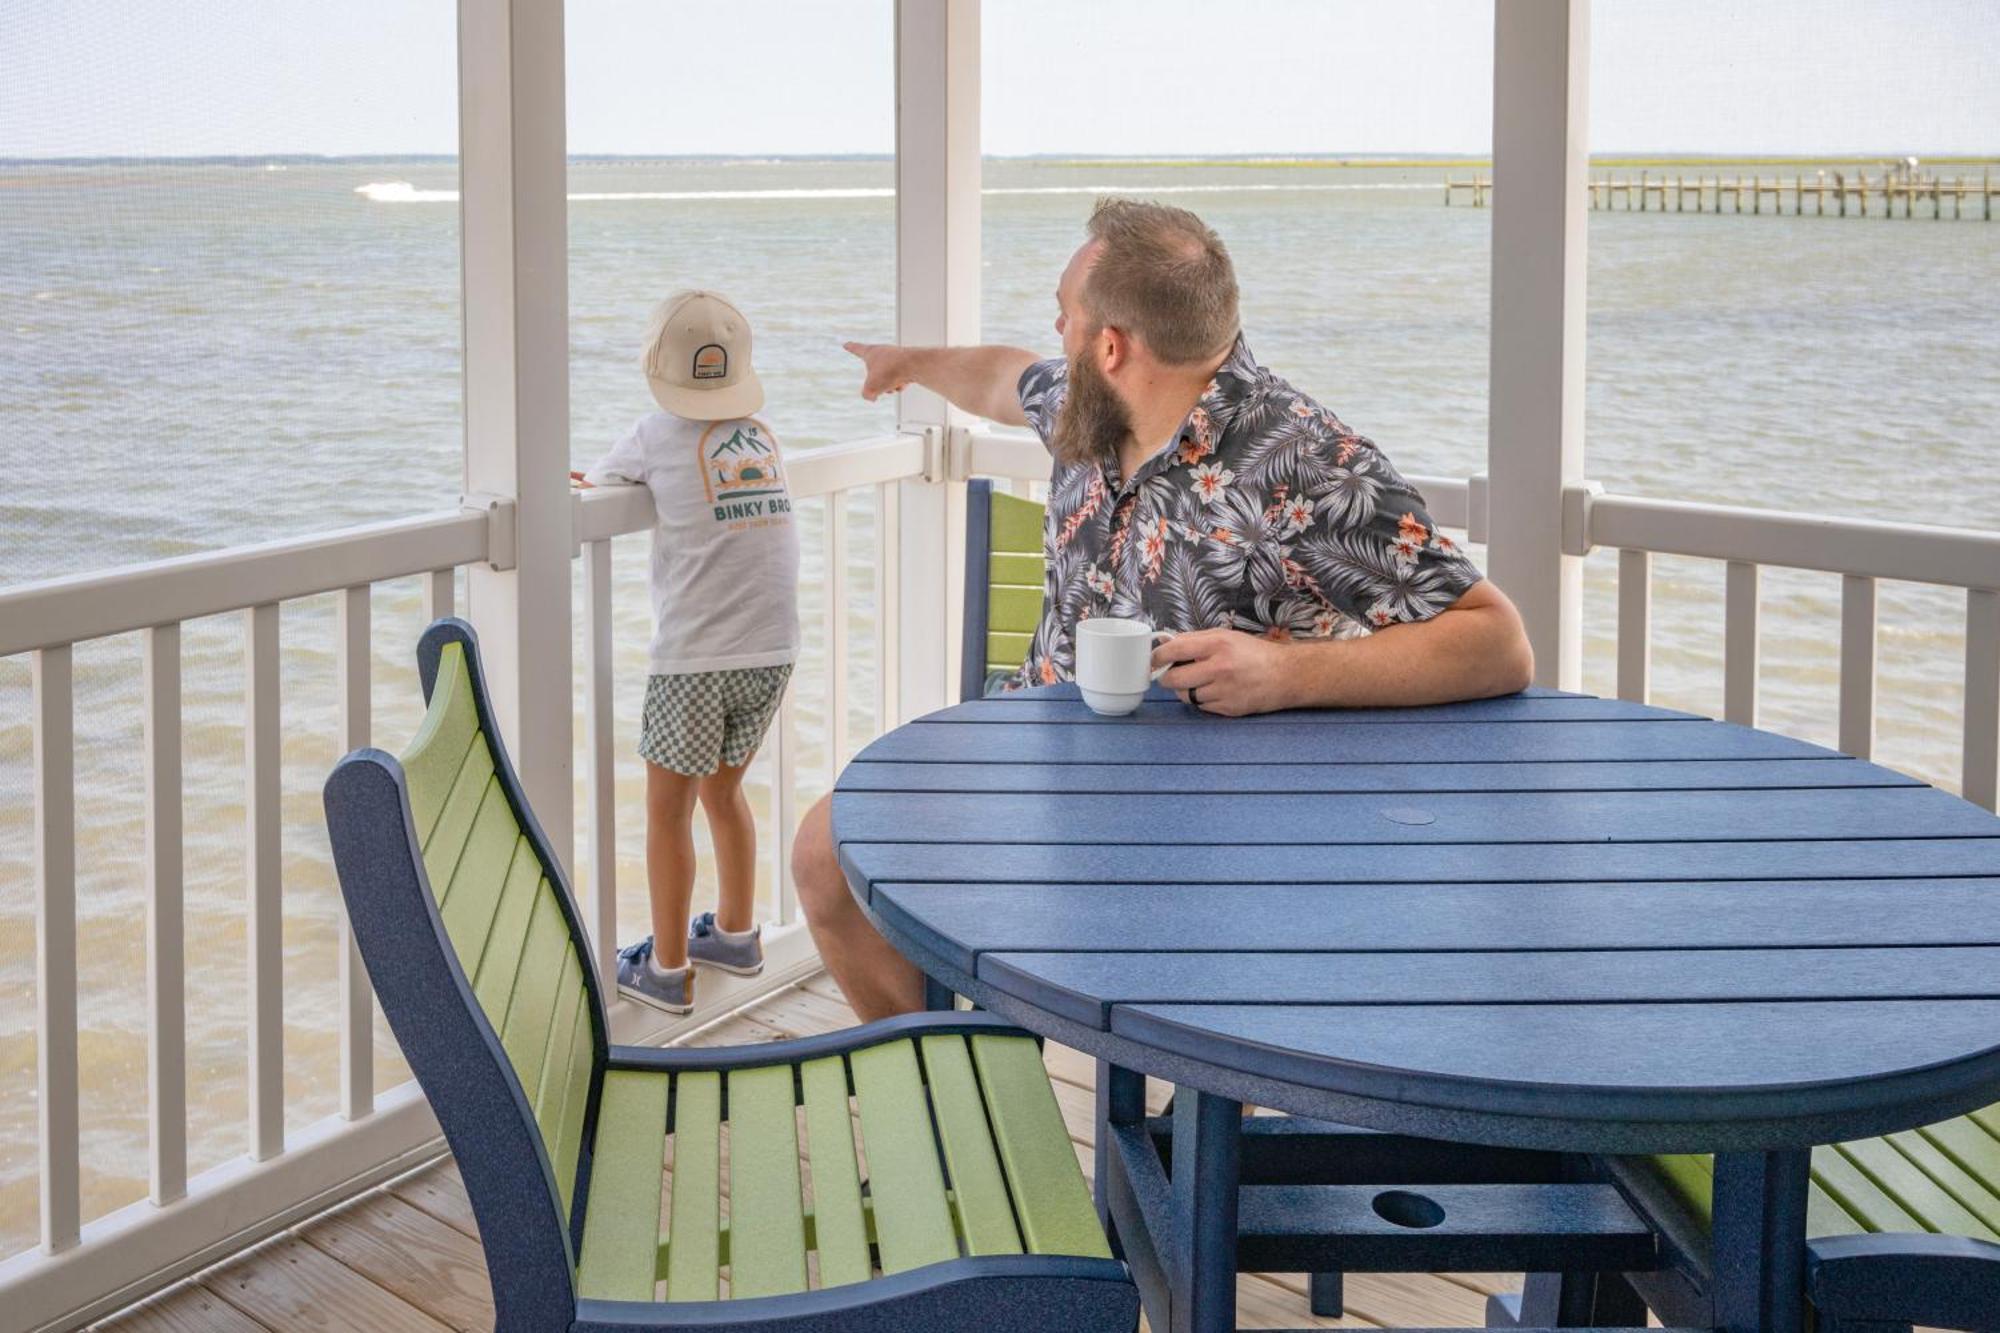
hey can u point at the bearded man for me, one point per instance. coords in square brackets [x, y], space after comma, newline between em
[1194, 489]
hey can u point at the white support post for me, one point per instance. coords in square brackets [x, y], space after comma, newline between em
[513, 220]
[601, 777]
[937, 303]
[263, 881]
[1541, 100]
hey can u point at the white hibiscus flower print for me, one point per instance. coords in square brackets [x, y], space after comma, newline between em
[1100, 581]
[1293, 516]
[1210, 480]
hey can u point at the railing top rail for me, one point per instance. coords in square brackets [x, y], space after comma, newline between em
[1867, 548]
[612, 511]
[163, 592]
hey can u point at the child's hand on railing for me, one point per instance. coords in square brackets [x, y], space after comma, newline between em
[577, 480]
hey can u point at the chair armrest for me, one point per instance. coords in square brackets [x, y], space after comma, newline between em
[679, 1059]
[1906, 1278]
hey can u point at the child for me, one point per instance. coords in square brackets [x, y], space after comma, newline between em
[725, 632]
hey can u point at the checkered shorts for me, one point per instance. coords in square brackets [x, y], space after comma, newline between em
[699, 721]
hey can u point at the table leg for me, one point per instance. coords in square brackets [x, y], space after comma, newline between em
[1206, 1177]
[1760, 1241]
[1121, 1100]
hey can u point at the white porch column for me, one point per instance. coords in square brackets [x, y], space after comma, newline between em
[937, 302]
[513, 216]
[1541, 161]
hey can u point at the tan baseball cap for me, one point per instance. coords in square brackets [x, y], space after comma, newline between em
[697, 358]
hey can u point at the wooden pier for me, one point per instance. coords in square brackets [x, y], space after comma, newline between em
[1832, 193]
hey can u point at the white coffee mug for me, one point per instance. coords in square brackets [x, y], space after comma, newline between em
[1114, 659]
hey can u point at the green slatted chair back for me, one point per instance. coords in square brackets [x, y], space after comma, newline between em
[507, 921]
[1005, 574]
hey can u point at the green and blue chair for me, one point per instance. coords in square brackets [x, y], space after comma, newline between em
[1004, 572]
[903, 1175]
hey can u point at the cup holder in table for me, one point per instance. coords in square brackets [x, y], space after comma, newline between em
[1404, 1209]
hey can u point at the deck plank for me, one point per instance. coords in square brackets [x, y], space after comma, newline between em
[426, 1262]
[287, 1284]
[405, 1257]
[188, 1308]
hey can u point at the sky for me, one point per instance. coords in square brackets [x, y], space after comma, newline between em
[198, 77]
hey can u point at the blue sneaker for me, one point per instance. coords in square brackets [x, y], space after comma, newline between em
[673, 992]
[708, 946]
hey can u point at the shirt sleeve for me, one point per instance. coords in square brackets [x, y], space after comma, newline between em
[1370, 545]
[625, 463]
[1043, 388]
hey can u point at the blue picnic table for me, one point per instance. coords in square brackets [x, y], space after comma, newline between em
[1544, 926]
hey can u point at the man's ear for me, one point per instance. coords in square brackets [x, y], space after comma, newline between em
[1115, 347]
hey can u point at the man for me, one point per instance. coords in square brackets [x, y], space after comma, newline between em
[1195, 489]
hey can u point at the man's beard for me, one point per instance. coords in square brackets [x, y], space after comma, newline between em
[1094, 421]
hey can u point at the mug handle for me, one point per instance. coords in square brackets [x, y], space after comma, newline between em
[1158, 635]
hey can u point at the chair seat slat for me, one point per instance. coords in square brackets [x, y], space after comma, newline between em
[912, 1220]
[985, 1214]
[1972, 1192]
[767, 1230]
[840, 1229]
[1056, 1212]
[621, 1224]
[1970, 1148]
[1012, 610]
[694, 1240]
[1916, 1193]
[1858, 1196]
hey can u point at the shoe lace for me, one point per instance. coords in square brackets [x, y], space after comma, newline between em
[703, 926]
[636, 953]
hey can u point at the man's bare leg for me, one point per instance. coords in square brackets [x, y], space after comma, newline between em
[734, 831]
[877, 981]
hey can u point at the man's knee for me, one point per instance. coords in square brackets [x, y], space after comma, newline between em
[815, 867]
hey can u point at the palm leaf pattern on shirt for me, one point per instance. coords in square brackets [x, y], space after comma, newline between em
[1269, 515]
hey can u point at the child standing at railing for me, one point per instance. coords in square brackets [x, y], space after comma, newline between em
[725, 633]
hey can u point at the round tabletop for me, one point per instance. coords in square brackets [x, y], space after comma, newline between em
[1548, 920]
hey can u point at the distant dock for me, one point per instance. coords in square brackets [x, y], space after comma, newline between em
[1833, 194]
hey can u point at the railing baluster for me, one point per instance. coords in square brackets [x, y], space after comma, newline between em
[263, 872]
[55, 945]
[438, 594]
[166, 937]
[1857, 665]
[601, 777]
[357, 998]
[1635, 625]
[1982, 697]
[784, 800]
[1739, 654]
[836, 634]
[888, 606]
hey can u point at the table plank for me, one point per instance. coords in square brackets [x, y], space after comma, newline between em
[1604, 775]
[1295, 741]
[1581, 1063]
[1163, 707]
[1264, 819]
[959, 923]
[1187, 862]
[1085, 986]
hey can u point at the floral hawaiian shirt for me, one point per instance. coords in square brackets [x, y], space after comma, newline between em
[1266, 514]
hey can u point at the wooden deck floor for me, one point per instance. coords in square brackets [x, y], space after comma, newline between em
[407, 1257]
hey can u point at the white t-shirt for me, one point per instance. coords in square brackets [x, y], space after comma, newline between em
[725, 568]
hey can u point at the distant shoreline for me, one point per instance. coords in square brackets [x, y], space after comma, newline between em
[1319, 162]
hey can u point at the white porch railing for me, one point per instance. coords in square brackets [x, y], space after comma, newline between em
[84, 1268]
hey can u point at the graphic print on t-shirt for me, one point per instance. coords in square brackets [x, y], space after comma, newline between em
[744, 477]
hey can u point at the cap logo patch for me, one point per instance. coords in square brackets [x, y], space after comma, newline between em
[711, 362]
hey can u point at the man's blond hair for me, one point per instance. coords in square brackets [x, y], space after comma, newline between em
[1163, 276]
